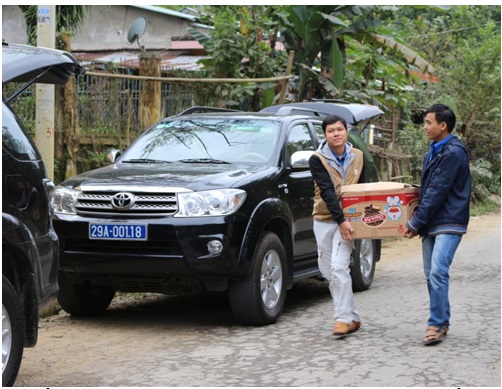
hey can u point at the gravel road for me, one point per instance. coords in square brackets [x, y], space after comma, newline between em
[192, 340]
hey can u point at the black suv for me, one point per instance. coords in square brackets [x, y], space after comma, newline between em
[216, 201]
[29, 243]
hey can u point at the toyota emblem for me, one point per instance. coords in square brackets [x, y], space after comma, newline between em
[123, 201]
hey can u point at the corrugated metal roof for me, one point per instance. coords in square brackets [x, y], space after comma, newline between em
[186, 45]
[130, 59]
[166, 11]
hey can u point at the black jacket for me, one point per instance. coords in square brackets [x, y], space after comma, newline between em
[445, 192]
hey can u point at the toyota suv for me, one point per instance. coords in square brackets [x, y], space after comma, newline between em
[29, 243]
[207, 200]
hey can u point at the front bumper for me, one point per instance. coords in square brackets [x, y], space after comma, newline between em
[176, 253]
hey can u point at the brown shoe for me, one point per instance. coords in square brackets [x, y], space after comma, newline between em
[342, 328]
[355, 326]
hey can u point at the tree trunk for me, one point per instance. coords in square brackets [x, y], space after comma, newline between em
[71, 130]
[150, 97]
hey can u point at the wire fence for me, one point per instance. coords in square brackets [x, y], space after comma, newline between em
[109, 114]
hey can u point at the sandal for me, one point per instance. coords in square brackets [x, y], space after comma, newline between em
[434, 335]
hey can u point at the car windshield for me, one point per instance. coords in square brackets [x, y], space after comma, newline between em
[205, 140]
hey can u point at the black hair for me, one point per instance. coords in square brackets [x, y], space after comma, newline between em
[443, 115]
[330, 119]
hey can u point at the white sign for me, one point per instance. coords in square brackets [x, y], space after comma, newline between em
[44, 14]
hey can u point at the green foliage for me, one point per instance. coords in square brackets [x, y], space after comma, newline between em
[484, 180]
[24, 105]
[325, 39]
[355, 53]
[310, 30]
[486, 206]
[412, 141]
[464, 46]
[237, 50]
[360, 59]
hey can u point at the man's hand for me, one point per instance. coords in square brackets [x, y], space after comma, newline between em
[409, 233]
[346, 230]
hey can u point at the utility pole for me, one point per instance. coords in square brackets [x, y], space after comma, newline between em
[45, 94]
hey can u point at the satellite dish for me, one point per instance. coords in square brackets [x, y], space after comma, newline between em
[136, 31]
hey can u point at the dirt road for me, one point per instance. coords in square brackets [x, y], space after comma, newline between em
[192, 340]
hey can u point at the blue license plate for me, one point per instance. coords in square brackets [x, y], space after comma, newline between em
[118, 231]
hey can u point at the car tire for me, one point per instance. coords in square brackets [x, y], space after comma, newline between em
[83, 299]
[12, 333]
[258, 298]
[363, 261]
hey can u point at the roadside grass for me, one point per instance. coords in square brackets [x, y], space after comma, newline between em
[489, 205]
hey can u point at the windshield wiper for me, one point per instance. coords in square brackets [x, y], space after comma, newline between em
[203, 160]
[144, 160]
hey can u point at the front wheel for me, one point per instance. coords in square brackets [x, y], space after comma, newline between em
[363, 261]
[258, 298]
[12, 333]
[83, 300]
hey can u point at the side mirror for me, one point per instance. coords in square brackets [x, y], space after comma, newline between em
[111, 156]
[300, 159]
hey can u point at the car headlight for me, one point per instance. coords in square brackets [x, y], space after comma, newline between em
[210, 203]
[65, 200]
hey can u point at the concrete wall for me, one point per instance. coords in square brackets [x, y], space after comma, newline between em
[13, 25]
[105, 28]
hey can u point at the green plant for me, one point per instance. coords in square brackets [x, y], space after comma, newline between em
[464, 45]
[484, 180]
[412, 140]
[326, 38]
[485, 206]
[237, 50]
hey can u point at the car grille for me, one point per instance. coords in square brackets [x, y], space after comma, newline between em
[140, 204]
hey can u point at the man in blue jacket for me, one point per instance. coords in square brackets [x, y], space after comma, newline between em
[443, 213]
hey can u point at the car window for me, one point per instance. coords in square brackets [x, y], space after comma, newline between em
[319, 131]
[227, 140]
[299, 139]
[14, 139]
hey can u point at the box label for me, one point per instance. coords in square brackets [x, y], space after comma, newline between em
[380, 213]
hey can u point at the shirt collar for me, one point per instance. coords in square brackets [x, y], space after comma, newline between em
[341, 160]
[439, 145]
[436, 147]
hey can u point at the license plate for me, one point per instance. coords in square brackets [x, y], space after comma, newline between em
[118, 231]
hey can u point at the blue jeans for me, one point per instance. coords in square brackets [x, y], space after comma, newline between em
[438, 252]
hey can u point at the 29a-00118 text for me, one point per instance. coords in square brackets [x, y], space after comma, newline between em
[118, 231]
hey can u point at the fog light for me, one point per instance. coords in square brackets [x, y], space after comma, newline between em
[215, 247]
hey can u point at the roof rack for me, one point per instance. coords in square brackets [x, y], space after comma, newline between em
[286, 110]
[200, 109]
[330, 101]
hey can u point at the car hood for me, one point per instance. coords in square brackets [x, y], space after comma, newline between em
[175, 175]
[23, 63]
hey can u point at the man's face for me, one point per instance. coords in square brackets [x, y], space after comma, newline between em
[336, 135]
[435, 131]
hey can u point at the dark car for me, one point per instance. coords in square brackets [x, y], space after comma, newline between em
[217, 201]
[30, 247]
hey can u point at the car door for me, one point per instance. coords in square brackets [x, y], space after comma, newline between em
[300, 187]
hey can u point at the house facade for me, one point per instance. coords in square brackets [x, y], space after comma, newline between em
[105, 33]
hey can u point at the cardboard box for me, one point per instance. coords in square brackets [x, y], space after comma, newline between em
[379, 209]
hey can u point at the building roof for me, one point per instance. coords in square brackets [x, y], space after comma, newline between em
[166, 11]
[185, 45]
[130, 59]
